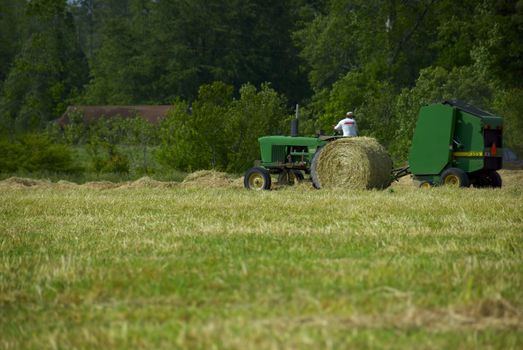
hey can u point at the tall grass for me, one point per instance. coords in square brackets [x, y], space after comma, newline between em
[229, 268]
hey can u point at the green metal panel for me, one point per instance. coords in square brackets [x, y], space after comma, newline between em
[493, 121]
[279, 153]
[455, 134]
[468, 139]
[271, 147]
[468, 164]
[431, 148]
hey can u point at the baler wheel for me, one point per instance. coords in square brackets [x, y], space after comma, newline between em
[488, 179]
[455, 177]
[257, 178]
[495, 179]
[425, 185]
[290, 177]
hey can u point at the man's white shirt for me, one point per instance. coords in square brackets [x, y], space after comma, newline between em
[348, 126]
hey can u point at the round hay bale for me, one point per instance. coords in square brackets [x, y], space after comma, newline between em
[354, 163]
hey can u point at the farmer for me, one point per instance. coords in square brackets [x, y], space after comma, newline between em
[348, 125]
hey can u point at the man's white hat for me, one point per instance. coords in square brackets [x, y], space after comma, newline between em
[350, 114]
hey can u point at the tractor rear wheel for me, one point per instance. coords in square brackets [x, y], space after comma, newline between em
[455, 177]
[257, 178]
[290, 177]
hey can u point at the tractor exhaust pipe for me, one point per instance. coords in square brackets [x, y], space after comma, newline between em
[295, 123]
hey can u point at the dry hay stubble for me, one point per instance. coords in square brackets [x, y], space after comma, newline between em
[353, 163]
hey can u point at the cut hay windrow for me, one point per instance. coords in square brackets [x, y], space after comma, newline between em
[353, 163]
[209, 178]
[100, 185]
[147, 182]
[21, 182]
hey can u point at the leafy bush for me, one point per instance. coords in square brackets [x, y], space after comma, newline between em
[106, 158]
[143, 134]
[75, 131]
[220, 132]
[34, 152]
[117, 163]
[10, 154]
[509, 104]
[256, 113]
[372, 100]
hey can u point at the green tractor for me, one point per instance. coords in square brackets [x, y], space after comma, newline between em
[289, 157]
[453, 144]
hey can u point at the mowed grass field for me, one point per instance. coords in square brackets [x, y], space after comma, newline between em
[205, 268]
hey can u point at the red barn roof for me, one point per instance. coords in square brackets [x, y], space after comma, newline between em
[153, 114]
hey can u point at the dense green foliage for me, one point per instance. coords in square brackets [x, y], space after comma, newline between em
[46, 72]
[105, 139]
[381, 58]
[221, 132]
[35, 153]
[387, 65]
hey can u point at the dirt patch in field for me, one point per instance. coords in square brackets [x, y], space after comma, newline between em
[212, 179]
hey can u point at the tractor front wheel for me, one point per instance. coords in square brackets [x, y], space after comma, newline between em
[257, 178]
[455, 177]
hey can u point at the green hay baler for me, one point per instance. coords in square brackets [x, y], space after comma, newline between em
[456, 144]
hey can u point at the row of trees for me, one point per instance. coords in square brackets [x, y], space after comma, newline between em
[42, 65]
[387, 58]
[382, 58]
[140, 52]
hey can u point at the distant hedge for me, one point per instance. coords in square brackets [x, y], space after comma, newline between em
[30, 153]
